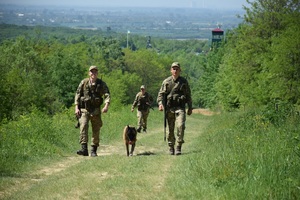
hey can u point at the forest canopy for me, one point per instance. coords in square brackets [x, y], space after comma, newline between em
[257, 64]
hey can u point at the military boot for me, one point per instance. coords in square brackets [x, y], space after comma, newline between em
[94, 151]
[178, 150]
[83, 151]
[171, 150]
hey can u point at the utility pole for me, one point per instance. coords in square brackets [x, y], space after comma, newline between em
[127, 37]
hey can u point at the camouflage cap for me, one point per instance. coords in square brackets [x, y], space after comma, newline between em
[93, 67]
[175, 64]
[142, 87]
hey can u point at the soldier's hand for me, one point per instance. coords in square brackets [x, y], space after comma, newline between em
[132, 109]
[105, 108]
[160, 107]
[77, 112]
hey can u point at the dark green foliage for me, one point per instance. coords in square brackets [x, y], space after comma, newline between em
[255, 70]
[210, 70]
[244, 71]
[108, 51]
[151, 68]
[65, 70]
[122, 87]
[261, 60]
[44, 70]
[23, 82]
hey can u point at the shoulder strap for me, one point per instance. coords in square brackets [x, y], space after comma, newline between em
[85, 81]
[172, 91]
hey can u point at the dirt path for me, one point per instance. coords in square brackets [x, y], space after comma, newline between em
[205, 112]
[113, 169]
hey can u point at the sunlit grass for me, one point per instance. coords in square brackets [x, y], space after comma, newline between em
[238, 163]
[226, 156]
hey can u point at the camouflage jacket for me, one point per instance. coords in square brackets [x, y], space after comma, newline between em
[90, 96]
[177, 93]
[142, 101]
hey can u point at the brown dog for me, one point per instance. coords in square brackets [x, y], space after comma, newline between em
[129, 137]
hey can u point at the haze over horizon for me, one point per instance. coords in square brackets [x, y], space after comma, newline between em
[210, 4]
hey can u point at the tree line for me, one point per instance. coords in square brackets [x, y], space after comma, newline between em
[44, 73]
[256, 65]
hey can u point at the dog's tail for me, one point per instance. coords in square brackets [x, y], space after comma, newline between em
[125, 132]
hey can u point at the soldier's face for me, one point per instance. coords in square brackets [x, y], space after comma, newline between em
[93, 73]
[175, 71]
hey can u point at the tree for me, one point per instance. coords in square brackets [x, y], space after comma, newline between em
[24, 83]
[251, 73]
[149, 66]
[67, 67]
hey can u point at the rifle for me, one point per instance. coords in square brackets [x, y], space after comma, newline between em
[149, 106]
[165, 114]
[77, 125]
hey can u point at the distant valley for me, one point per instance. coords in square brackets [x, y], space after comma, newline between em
[178, 23]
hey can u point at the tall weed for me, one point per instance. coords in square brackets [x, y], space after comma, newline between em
[26, 139]
[36, 137]
[244, 156]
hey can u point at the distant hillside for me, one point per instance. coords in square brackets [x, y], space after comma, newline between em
[11, 31]
[179, 23]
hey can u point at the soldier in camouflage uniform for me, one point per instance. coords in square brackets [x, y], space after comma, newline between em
[88, 99]
[143, 101]
[176, 93]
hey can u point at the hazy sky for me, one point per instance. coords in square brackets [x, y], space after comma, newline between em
[218, 4]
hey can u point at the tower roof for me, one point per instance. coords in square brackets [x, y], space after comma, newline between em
[217, 30]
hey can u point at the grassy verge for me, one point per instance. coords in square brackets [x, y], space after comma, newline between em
[227, 156]
[242, 159]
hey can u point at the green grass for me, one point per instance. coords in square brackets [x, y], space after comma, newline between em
[238, 163]
[228, 156]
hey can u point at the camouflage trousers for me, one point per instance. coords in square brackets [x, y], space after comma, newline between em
[142, 116]
[176, 118]
[96, 121]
